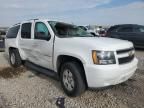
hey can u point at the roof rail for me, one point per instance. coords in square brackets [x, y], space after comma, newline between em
[33, 19]
[16, 24]
[27, 20]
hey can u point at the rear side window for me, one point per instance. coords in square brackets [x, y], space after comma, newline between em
[126, 29]
[12, 33]
[26, 30]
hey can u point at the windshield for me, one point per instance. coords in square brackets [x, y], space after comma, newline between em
[68, 30]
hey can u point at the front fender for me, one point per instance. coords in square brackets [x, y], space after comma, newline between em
[82, 59]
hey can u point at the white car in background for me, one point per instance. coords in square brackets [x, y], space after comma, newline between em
[95, 31]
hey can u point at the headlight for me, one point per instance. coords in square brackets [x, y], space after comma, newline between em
[103, 57]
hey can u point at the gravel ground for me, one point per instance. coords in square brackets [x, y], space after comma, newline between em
[23, 88]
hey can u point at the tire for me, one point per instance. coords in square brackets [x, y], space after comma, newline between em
[14, 58]
[75, 78]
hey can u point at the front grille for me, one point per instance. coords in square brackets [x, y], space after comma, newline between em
[125, 50]
[126, 59]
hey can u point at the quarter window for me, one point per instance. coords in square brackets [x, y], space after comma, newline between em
[12, 33]
[26, 30]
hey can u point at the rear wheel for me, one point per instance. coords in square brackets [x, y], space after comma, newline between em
[14, 57]
[71, 79]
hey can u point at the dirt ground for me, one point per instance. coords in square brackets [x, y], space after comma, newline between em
[23, 88]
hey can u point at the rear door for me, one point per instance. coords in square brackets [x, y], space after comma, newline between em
[25, 41]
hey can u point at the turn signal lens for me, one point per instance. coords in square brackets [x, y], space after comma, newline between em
[94, 57]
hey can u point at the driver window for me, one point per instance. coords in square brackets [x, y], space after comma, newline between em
[41, 30]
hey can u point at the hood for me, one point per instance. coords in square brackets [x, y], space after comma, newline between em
[99, 43]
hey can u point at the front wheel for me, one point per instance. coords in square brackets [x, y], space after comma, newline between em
[15, 59]
[71, 79]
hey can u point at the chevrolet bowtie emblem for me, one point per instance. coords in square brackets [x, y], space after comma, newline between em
[130, 53]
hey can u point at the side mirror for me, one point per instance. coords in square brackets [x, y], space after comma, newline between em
[42, 36]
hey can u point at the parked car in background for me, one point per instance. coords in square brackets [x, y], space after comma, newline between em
[131, 32]
[2, 40]
[2, 35]
[91, 31]
[1, 44]
[102, 33]
[72, 55]
[83, 27]
[95, 31]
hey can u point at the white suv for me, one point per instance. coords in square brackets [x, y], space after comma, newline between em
[65, 51]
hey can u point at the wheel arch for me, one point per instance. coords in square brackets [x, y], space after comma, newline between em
[12, 48]
[61, 59]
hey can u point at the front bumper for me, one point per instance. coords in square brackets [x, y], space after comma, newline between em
[106, 75]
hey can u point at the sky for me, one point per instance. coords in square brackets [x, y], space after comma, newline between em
[79, 12]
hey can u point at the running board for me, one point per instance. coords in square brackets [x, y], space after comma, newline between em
[40, 69]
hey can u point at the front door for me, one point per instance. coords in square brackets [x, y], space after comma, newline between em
[42, 45]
